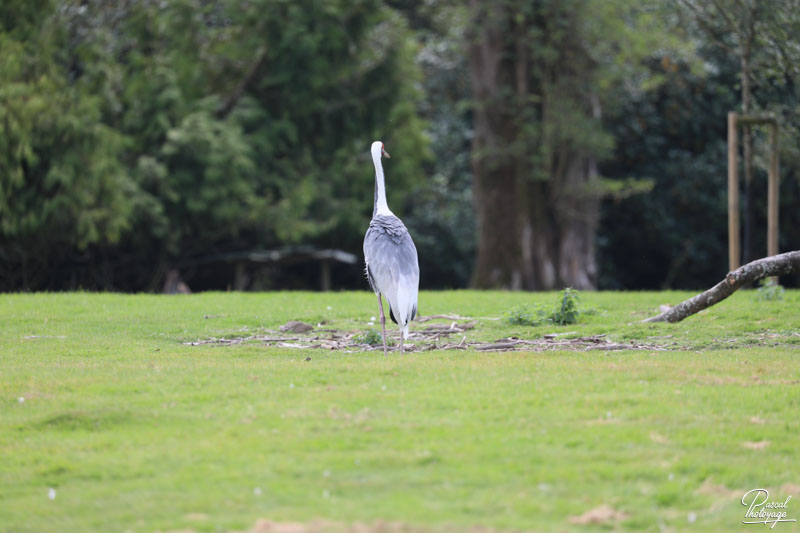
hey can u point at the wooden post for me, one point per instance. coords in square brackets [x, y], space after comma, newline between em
[733, 194]
[772, 192]
[773, 184]
[734, 121]
[325, 275]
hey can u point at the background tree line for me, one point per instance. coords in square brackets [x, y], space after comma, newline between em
[536, 144]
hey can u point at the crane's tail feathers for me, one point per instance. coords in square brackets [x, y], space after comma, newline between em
[411, 317]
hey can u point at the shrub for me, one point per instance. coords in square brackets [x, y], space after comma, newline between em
[524, 315]
[565, 312]
[370, 336]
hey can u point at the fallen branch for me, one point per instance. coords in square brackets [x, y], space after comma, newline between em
[435, 317]
[776, 265]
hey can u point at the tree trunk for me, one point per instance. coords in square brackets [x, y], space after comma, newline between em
[497, 262]
[495, 184]
[776, 265]
[577, 215]
[536, 218]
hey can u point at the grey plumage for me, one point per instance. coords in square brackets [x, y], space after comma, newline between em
[391, 257]
[392, 265]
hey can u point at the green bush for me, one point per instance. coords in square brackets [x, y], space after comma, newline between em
[565, 312]
[370, 336]
[524, 315]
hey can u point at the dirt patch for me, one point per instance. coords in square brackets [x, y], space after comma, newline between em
[324, 526]
[294, 326]
[658, 438]
[720, 494]
[452, 336]
[266, 526]
[599, 515]
[719, 490]
[752, 381]
[759, 445]
[791, 488]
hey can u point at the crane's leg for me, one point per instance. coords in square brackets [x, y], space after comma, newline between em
[402, 350]
[383, 322]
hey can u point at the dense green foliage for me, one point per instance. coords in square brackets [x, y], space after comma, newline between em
[676, 135]
[135, 431]
[167, 131]
[142, 136]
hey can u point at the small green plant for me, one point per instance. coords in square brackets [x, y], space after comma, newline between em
[524, 315]
[769, 291]
[370, 336]
[565, 312]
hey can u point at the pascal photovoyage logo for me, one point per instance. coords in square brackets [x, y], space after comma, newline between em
[762, 510]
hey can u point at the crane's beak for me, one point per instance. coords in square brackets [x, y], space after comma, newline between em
[385, 153]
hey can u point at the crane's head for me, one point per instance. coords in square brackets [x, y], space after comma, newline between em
[378, 150]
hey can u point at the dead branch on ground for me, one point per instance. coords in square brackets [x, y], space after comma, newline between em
[776, 265]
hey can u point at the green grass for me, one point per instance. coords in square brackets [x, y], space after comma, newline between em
[139, 432]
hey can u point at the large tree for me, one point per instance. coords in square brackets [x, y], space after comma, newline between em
[535, 146]
[541, 74]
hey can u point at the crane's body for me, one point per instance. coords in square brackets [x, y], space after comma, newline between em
[391, 258]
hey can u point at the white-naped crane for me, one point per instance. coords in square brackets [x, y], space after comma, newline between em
[391, 257]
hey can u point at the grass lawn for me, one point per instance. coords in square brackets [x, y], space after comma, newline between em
[109, 421]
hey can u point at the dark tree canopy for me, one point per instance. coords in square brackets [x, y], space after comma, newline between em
[535, 144]
[143, 135]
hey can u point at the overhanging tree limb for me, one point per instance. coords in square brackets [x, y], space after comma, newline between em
[250, 76]
[776, 265]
